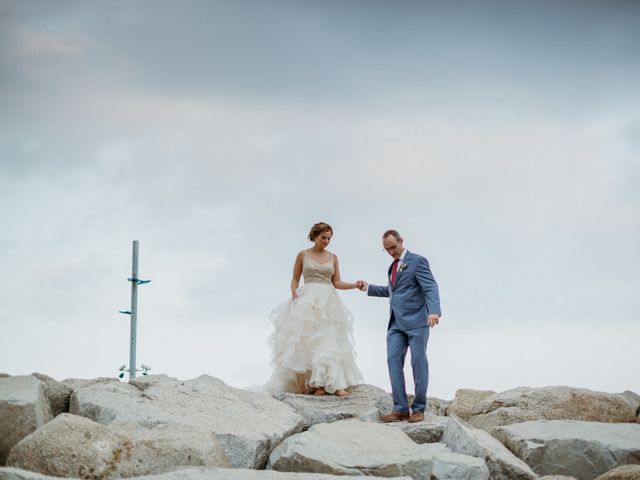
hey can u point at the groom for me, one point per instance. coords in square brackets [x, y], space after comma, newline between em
[414, 308]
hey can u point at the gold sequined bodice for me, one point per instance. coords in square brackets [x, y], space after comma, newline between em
[313, 271]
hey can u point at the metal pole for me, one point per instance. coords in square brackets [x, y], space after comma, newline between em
[134, 312]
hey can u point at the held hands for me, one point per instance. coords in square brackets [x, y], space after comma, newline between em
[362, 285]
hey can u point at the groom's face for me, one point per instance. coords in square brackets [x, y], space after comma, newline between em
[393, 246]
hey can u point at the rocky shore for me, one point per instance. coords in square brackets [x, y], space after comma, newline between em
[162, 428]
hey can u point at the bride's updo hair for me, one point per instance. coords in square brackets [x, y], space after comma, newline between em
[319, 229]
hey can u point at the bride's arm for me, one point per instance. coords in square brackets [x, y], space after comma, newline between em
[297, 271]
[335, 280]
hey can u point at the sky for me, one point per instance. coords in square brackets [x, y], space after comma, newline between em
[501, 138]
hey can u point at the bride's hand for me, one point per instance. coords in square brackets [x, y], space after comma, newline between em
[294, 295]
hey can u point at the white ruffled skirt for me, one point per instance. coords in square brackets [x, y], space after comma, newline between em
[312, 345]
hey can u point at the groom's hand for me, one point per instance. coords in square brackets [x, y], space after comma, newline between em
[362, 285]
[433, 319]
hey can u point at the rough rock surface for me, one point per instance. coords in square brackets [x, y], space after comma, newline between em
[352, 447]
[503, 465]
[428, 431]
[551, 403]
[624, 472]
[364, 401]
[557, 477]
[569, 447]
[437, 406]
[23, 409]
[632, 397]
[4, 375]
[75, 383]
[248, 425]
[197, 473]
[57, 393]
[74, 446]
[466, 401]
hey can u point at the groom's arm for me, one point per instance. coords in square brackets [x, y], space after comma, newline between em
[377, 291]
[429, 286]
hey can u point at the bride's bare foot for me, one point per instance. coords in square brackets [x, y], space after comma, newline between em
[341, 393]
[319, 391]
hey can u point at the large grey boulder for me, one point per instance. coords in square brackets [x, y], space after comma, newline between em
[196, 473]
[364, 401]
[569, 447]
[248, 425]
[503, 465]
[74, 446]
[466, 400]
[550, 403]
[625, 472]
[352, 447]
[430, 430]
[23, 408]
[57, 393]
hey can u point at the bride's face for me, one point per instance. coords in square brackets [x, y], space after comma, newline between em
[322, 240]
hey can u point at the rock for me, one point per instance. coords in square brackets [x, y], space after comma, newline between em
[248, 425]
[74, 446]
[57, 393]
[23, 408]
[634, 400]
[437, 406]
[570, 447]
[466, 400]
[352, 447]
[4, 375]
[503, 465]
[364, 401]
[245, 474]
[75, 383]
[428, 431]
[196, 473]
[449, 465]
[9, 473]
[550, 403]
[557, 477]
[624, 472]
[632, 397]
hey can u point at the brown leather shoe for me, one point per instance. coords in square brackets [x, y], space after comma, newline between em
[394, 417]
[416, 417]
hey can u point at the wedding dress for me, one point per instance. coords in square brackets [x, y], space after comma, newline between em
[312, 345]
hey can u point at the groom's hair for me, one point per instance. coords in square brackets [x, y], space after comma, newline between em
[393, 233]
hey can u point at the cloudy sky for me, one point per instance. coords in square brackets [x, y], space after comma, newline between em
[502, 139]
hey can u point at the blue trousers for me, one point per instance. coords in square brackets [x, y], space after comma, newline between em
[397, 343]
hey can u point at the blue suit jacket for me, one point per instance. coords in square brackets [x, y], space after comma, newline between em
[415, 294]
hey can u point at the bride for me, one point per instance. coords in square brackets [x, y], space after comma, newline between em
[312, 345]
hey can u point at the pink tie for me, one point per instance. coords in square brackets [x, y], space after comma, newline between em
[394, 271]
